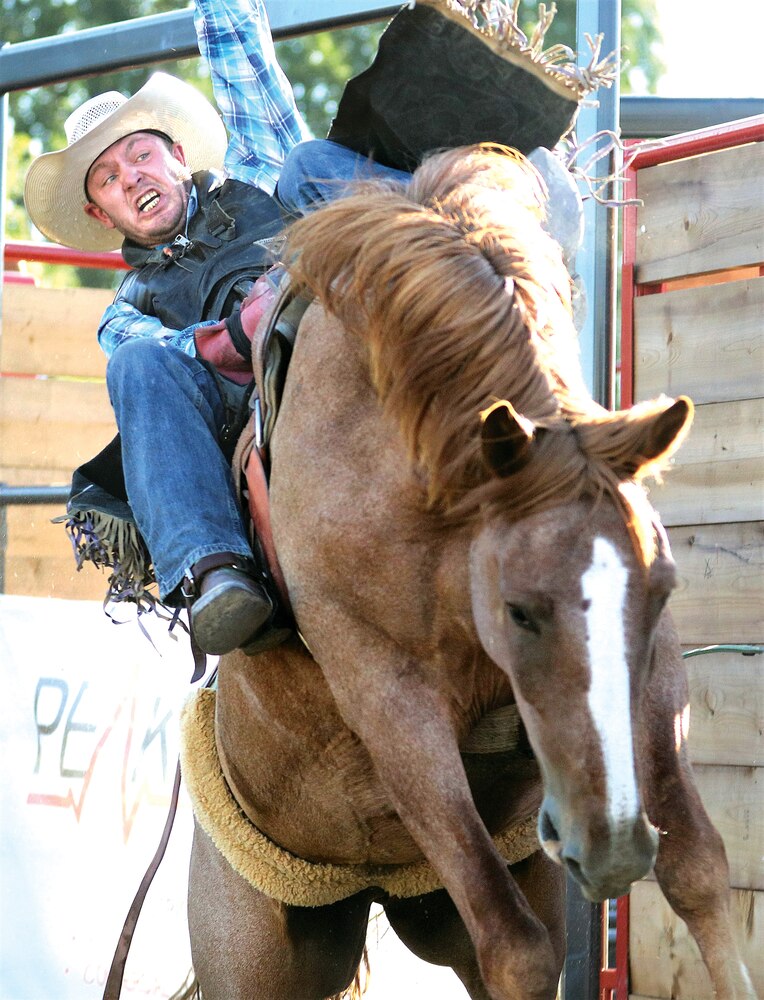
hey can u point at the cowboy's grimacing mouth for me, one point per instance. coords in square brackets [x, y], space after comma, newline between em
[148, 200]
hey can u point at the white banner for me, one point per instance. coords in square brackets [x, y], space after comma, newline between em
[90, 744]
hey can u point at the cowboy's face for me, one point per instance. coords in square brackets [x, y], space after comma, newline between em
[140, 186]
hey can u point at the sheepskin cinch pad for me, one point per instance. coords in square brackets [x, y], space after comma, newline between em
[274, 871]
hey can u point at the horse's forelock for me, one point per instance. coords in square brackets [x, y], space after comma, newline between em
[563, 471]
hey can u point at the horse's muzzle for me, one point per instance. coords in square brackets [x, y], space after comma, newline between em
[606, 863]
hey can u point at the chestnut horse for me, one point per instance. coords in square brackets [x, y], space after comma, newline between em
[461, 528]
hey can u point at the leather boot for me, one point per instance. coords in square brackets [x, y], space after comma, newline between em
[229, 608]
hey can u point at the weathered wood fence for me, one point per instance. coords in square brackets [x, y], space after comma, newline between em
[54, 415]
[693, 258]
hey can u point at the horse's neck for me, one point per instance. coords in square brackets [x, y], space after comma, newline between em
[329, 404]
[347, 506]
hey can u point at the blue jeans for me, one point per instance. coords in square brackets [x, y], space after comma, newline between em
[170, 415]
[319, 170]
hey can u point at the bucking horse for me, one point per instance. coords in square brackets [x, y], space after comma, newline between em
[486, 691]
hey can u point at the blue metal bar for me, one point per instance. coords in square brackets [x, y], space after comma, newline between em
[32, 495]
[583, 956]
[597, 259]
[157, 37]
[596, 263]
[744, 648]
[658, 117]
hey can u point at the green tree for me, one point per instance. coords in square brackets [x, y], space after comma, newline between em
[38, 115]
[319, 65]
[18, 160]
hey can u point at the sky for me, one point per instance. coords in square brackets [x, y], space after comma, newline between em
[712, 49]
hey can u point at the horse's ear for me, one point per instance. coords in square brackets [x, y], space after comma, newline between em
[507, 439]
[661, 434]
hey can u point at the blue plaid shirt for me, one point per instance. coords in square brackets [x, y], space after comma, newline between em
[258, 107]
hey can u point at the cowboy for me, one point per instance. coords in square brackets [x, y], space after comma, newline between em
[144, 173]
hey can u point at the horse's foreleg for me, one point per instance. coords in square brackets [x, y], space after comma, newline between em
[693, 874]
[246, 945]
[691, 867]
[409, 735]
[512, 947]
[431, 927]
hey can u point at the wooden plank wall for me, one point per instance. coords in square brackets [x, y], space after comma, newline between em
[703, 335]
[54, 415]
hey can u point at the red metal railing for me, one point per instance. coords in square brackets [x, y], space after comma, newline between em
[707, 140]
[614, 982]
[52, 253]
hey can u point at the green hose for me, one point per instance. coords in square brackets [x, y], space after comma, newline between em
[745, 649]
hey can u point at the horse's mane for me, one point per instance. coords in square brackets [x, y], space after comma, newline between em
[462, 299]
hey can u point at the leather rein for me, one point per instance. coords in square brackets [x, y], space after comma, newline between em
[113, 987]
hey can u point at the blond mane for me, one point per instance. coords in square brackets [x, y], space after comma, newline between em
[462, 299]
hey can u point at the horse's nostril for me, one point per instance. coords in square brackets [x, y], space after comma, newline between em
[575, 869]
[548, 830]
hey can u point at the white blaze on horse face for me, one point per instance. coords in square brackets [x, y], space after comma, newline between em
[604, 587]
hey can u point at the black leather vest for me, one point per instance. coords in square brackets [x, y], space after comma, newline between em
[202, 275]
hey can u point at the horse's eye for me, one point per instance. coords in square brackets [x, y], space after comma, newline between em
[520, 618]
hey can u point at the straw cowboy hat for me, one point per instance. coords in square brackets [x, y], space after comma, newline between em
[54, 192]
